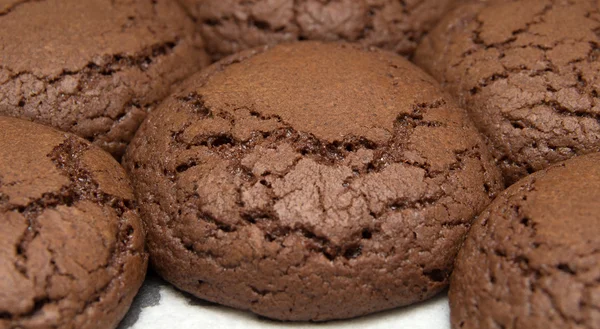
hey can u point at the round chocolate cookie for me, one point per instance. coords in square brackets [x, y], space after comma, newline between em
[229, 26]
[71, 244]
[93, 67]
[528, 72]
[309, 181]
[532, 259]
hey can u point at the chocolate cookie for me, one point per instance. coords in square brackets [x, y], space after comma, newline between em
[528, 72]
[229, 26]
[93, 67]
[309, 181]
[71, 244]
[532, 259]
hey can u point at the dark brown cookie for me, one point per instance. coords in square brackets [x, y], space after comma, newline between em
[93, 67]
[532, 259]
[229, 26]
[309, 181]
[528, 72]
[71, 244]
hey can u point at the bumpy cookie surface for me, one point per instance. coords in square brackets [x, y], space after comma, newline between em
[93, 67]
[229, 26]
[71, 244]
[528, 72]
[309, 181]
[532, 259]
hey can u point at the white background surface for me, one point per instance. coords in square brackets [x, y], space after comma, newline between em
[159, 306]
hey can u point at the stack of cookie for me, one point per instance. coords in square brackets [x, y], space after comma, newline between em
[311, 172]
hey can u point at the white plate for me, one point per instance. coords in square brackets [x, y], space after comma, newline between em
[160, 306]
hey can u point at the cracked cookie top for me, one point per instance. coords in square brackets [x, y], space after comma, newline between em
[71, 245]
[94, 67]
[532, 259]
[229, 26]
[309, 181]
[528, 73]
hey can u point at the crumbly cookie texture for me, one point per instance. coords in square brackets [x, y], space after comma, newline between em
[309, 181]
[94, 68]
[229, 26]
[532, 259]
[71, 245]
[528, 72]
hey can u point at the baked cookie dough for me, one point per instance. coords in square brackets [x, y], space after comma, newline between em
[528, 73]
[229, 26]
[532, 259]
[71, 244]
[93, 67]
[309, 181]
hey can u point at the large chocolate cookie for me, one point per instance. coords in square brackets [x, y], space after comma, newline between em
[532, 259]
[528, 72]
[229, 26]
[93, 67]
[309, 181]
[71, 244]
